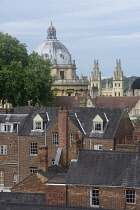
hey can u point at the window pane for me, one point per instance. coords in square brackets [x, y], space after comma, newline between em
[33, 148]
[94, 197]
[55, 138]
[130, 196]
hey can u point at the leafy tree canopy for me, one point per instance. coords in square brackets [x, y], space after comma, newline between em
[23, 77]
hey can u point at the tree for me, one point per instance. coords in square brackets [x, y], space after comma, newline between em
[23, 77]
[38, 81]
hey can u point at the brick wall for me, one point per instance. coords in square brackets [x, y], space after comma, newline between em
[64, 129]
[9, 162]
[109, 197]
[32, 184]
[107, 144]
[26, 160]
[125, 128]
[56, 194]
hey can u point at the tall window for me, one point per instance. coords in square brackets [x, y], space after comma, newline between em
[15, 177]
[33, 148]
[38, 125]
[136, 111]
[1, 178]
[94, 197]
[55, 139]
[32, 170]
[3, 149]
[71, 138]
[130, 196]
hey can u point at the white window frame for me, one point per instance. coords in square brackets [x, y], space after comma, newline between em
[55, 139]
[3, 149]
[32, 170]
[33, 148]
[94, 197]
[15, 177]
[130, 196]
[5, 127]
[95, 126]
[98, 146]
[38, 125]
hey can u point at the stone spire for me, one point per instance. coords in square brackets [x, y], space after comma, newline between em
[96, 74]
[51, 32]
[118, 73]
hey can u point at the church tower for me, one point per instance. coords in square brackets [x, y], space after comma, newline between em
[95, 81]
[118, 80]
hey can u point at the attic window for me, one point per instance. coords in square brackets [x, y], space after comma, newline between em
[6, 127]
[38, 122]
[97, 124]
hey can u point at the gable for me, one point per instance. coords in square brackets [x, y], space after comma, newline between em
[97, 118]
[37, 118]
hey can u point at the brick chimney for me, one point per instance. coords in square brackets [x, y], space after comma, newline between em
[63, 134]
[43, 158]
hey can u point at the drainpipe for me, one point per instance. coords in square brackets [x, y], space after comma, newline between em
[18, 152]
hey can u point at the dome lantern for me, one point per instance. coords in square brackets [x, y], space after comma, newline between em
[51, 32]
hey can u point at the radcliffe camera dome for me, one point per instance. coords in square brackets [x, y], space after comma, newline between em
[53, 49]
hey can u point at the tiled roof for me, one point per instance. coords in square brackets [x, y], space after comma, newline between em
[105, 168]
[126, 102]
[70, 101]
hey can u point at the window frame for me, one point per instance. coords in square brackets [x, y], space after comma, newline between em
[4, 127]
[32, 170]
[55, 141]
[130, 195]
[98, 145]
[33, 148]
[95, 197]
[3, 149]
[95, 128]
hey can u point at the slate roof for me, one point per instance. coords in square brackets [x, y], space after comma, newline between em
[105, 168]
[127, 102]
[43, 207]
[53, 173]
[27, 127]
[86, 116]
[22, 198]
[81, 117]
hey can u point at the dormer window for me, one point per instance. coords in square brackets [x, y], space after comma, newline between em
[37, 123]
[97, 124]
[6, 127]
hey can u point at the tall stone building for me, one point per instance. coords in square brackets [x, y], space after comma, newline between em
[64, 71]
[63, 67]
[114, 89]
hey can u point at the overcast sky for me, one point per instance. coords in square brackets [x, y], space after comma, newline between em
[91, 29]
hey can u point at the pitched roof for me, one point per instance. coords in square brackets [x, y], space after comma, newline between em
[22, 198]
[127, 102]
[93, 167]
[70, 101]
[82, 118]
[34, 206]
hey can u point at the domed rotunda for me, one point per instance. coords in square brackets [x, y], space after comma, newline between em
[63, 67]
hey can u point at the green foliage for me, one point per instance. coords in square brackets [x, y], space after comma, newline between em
[127, 82]
[23, 77]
